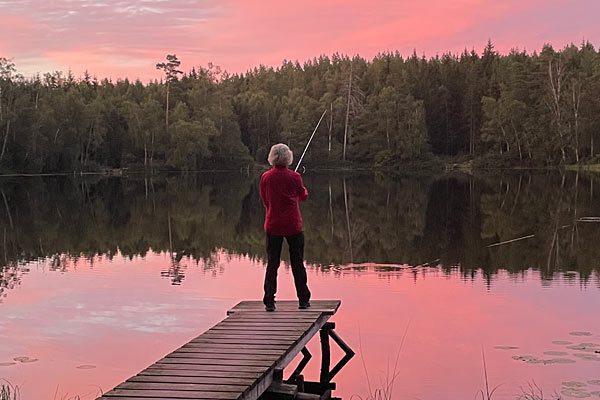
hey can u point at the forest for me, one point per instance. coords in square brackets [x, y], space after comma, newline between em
[518, 109]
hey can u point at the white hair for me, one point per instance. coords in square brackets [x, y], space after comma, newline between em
[280, 155]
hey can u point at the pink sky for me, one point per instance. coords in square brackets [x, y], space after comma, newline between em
[114, 38]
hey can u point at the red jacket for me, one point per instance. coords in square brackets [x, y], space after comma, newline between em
[280, 190]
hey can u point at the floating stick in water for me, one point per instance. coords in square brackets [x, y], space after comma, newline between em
[589, 219]
[510, 241]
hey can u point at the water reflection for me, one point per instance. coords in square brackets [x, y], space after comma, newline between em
[127, 265]
[453, 221]
[10, 276]
[119, 315]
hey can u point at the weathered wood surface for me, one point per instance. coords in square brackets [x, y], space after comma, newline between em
[234, 359]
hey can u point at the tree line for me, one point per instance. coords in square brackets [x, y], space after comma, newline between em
[499, 110]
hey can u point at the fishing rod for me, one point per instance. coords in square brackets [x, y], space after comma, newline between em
[309, 140]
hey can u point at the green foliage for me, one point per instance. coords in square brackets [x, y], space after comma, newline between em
[189, 140]
[517, 109]
[170, 68]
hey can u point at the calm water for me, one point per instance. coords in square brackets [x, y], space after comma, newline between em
[89, 294]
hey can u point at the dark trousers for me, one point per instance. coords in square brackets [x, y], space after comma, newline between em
[296, 245]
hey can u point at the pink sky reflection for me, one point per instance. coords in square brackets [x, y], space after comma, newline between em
[120, 316]
[118, 39]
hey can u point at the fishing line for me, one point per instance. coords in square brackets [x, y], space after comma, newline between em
[309, 140]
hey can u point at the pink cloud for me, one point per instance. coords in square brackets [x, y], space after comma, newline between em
[16, 31]
[119, 38]
[274, 31]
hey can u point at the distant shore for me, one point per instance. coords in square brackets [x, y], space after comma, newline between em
[418, 167]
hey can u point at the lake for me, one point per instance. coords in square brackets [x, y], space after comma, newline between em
[434, 274]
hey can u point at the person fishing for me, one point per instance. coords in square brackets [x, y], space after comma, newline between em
[281, 190]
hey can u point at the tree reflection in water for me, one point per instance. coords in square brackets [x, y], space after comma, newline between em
[349, 218]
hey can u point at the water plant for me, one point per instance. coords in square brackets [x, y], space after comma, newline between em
[9, 391]
[487, 395]
[385, 391]
[534, 392]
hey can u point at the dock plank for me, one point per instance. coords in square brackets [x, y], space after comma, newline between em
[256, 328]
[212, 361]
[275, 316]
[255, 341]
[248, 348]
[324, 306]
[224, 356]
[200, 367]
[209, 373]
[243, 341]
[174, 394]
[255, 317]
[244, 335]
[247, 324]
[216, 380]
[225, 350]
[174, 386]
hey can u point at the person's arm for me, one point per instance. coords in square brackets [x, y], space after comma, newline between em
[263, 192]
[302, 191]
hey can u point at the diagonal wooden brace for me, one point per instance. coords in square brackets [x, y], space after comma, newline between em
[306, 356]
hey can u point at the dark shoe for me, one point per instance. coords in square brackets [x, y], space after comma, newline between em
[270, 307]
[304, 305]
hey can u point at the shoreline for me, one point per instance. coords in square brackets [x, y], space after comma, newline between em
[444, 167]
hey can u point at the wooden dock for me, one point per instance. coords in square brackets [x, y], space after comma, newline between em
[242, 357]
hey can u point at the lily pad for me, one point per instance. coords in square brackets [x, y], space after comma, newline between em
[578, 333]
[581, 347]
[574, 384]
[530, 359]
[536, 361]
[524, 358]
[561, 342]
[595, 394]
[587, 357]
[589, 344]
[506, 347]
[594, 382]
[559, 361]
[86, 366]
[6, 364]
[577, 393]
[556, 353]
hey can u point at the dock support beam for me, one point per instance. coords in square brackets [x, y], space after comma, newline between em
[326, 332]
[325, 352]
